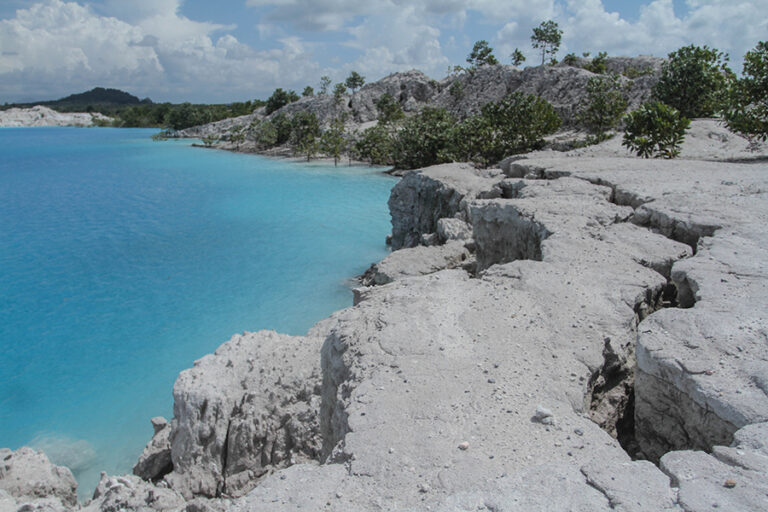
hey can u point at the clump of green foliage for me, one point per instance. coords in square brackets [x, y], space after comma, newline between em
[518, 123]
[655, 130]
[389, 109]
[423, 139]
[570, 59]
[481, 55]
[633, 72]
[456, 90]
[308, 92]
[517, 57]
[597, 64]
[604, 106]
[210, 140]
[279, 99]
[547, 38]
[694, 81]
[376, 145]
[747, 108]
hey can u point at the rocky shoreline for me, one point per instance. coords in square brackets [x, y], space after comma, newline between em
[44, 116]
[539, 330]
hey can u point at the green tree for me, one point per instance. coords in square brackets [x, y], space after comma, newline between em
[333, 140]
[694, 81]
[308, 92]
[279, 99]
[424, 139]
[237, 136]
[747, 109]
[547, 38]
[481, 55]
[354, 81]
[604, 105]
[325, 83]
[338, 92]
[517, 57]
[655, 129]
[389, 109]
[305, 133]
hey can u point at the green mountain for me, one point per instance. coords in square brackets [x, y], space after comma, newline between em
[100, 96]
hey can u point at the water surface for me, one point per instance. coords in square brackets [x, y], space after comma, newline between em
[122, 260]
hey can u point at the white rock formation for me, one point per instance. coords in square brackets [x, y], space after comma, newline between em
[248, 408]
[28, 477]
[44, 116]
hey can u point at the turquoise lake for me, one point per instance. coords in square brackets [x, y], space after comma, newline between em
[122, 260]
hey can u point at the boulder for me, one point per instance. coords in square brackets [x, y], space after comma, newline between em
[155, 461]
[28, 476]
[416, 261]
[129, 493]
[250, 407]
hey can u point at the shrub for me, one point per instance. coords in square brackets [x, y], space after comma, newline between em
[457, 89]
[570, 59]
[655, 130]
[633, 72]
[376, 145]
[424, 139]
[389, 109]
[747, 109]
[694, 81]
[471, 141]
[519, 123]
[605, 103]
[354, 81]
[597, 64]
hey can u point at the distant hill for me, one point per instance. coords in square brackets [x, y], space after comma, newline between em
[100, 96]
[97, 98]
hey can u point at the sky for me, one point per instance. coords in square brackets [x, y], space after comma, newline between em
[236, 50]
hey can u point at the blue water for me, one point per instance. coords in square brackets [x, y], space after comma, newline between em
[122, 260]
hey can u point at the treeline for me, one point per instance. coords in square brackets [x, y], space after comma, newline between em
[177, 116]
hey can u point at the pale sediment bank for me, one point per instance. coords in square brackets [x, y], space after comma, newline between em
[537, 327]
[43, 116]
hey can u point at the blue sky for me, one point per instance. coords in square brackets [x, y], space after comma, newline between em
[234, 50]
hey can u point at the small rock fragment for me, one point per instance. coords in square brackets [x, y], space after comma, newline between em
[544, 416]
[464, 446]
[730, 484]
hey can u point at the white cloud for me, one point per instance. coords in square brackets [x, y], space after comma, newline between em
[56, 47]
[148, 47]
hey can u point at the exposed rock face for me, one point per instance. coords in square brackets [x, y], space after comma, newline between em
[563, 86]
[155, 460]
[28, 476]
[731, 478]
[416, 261]
[219, 128]
[421, 199]
[131, 494]
[44, 116]
[249, 407]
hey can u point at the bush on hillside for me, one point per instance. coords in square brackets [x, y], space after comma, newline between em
[604, 105]
[424, 139]
[279, 99]
[655, 130]
[694, 81]
[747, 109]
